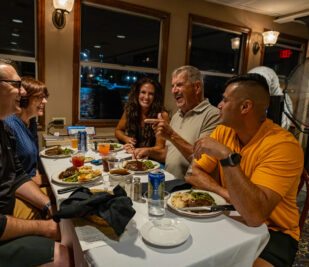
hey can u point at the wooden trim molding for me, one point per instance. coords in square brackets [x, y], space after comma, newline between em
[41, 51]
[163, 16]
[220, 24]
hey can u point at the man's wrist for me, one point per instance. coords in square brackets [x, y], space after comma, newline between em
[47, 207]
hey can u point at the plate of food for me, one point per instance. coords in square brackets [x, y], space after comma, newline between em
[198, 200]
[114, 147]
[79, 175]
[57, 152]
[141, 165]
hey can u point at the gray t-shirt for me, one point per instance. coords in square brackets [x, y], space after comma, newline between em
[200, 121]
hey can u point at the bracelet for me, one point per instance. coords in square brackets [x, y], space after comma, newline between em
[46, 207]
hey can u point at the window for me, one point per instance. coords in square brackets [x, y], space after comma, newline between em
[285, 55]
[19, 26]
[118, 45]
[218, 50]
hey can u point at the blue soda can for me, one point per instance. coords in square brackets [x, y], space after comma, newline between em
[82, 141]
[79, 135]
[156, 188]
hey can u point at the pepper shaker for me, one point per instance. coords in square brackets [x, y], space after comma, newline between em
[137, 189]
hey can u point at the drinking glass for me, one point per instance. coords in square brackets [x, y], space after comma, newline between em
[78, 159]
[74, 141]
[156, 207]
[104, 148]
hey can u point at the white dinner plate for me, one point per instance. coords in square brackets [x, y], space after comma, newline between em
[218, 200]
[120, 147]
[42, 153]
[155, 163]
[165, 232]
[55, 178]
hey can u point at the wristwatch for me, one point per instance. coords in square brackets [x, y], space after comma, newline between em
[232, 160]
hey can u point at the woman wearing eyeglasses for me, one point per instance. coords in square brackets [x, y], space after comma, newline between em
[24, 126]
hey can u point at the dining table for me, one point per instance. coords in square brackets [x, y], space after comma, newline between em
[220, 240]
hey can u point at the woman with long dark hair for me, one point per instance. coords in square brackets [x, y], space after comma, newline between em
[145, 101]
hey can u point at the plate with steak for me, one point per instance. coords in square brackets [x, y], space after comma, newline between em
[73, 175]
[195, 198]
[57, 152]
[141, 165]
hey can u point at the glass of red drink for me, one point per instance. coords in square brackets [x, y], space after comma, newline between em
[78, 159]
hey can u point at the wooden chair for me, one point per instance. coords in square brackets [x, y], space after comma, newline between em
[304, 180]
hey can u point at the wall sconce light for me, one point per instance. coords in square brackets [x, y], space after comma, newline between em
[269, 39]
[235, 42]
[61, 7]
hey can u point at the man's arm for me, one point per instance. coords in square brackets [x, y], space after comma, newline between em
[203, 180]
[253, 202]
[18, 228]
[31, 193]
[164, 130]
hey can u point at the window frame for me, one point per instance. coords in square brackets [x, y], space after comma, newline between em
[224, 26]
[39, 48]
[164, 17]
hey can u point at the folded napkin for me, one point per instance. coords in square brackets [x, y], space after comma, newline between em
[115, 209]
[171, 186]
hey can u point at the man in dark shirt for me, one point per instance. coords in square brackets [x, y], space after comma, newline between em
[22, 242]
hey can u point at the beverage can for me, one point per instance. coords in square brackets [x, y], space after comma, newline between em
[156, 188]
[79, 135]
[82, 141]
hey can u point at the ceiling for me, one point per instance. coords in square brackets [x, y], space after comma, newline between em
[276, 8]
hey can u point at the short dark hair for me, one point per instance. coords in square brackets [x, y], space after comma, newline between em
[251, 78]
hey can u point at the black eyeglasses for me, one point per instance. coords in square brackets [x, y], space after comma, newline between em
[15, 83]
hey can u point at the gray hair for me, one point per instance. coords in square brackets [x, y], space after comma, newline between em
[194, 73]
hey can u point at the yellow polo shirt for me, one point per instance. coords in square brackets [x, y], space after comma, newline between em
[273, 159]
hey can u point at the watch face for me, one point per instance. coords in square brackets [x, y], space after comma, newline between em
[236, 158]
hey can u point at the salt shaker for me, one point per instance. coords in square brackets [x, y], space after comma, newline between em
[128, 186]
[137, 189]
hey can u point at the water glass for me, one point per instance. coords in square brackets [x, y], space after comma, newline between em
[156, 205]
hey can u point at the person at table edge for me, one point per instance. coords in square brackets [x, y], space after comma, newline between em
[24, 127]
[260, 165]
[22, 242]
[196, 117]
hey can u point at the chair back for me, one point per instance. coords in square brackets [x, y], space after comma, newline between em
[304, 180]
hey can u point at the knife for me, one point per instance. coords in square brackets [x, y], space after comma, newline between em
[209, 208]
[68, 189]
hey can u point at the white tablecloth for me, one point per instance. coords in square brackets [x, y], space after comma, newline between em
[216, 241]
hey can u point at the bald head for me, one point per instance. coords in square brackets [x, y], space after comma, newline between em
[4, 63]
[252, 87]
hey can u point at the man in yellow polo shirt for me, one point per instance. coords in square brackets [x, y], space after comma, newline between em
[259, 163]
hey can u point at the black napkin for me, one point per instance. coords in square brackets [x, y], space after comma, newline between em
[171, 186]
[115, 209]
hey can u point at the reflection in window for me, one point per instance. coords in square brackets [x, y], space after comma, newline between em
[117, 48]
[214, 88]
[283, 57]
[218, 52]
[212, 50]
[105, 91]
[17, 27]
